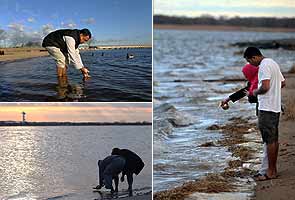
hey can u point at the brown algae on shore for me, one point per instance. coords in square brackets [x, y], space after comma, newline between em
[223, 182]
[213, 183]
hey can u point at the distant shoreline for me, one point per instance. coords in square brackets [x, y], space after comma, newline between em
[24, 53]
[9, 123]
[220, 28]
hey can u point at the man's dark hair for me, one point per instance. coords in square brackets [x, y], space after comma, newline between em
[85, 32]
[116, 151]
[252, 51]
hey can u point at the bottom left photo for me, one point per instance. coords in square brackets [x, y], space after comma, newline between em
[76, 151]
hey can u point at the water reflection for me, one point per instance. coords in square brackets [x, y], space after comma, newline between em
[18, 168]
[61, 162]
[69, 92]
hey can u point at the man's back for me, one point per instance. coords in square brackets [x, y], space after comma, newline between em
[133, 162]
[271, 100]
[56, 39]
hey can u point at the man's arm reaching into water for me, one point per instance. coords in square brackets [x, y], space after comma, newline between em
[75, 57]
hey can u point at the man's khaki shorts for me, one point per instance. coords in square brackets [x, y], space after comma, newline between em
[61, 59]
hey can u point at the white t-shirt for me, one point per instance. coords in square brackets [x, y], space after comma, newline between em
[271, 100]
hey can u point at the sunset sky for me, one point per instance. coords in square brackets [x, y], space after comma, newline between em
[230, 8]
[77, 112]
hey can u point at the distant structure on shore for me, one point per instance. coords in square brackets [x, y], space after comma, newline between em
[25, 123]
[24, 117]
[110, 47]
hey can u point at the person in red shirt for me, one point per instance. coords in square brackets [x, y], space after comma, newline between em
[251, 74]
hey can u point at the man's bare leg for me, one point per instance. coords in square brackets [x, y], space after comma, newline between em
[61, 71]
[272, 153]
[277, 153]
[62, 88]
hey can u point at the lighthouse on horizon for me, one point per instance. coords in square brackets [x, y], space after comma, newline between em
[24, 117]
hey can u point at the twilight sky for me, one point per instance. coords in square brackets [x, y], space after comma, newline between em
[77, 112]
[112, 21]
[230, 8]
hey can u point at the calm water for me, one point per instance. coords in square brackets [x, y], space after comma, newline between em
[183, 62]
[61, 162]
[113, 78]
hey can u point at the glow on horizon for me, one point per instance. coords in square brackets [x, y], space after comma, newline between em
[229, 8]
[103, 112]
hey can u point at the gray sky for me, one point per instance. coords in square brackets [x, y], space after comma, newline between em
[230, 8]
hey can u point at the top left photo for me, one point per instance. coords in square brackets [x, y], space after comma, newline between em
[65, 51]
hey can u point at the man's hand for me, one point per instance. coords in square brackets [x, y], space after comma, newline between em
[224, 104]
[224, 101]
[255, 92]
[247, 93]
[85, 73]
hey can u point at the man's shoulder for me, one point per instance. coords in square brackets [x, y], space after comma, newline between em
[268, 62]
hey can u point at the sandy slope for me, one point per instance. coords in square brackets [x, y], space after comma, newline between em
[284, 186]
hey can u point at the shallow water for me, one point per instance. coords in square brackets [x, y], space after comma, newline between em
[183, 62]
[113, 78]
[61, 162]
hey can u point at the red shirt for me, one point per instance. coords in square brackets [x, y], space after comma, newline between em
[251, 74]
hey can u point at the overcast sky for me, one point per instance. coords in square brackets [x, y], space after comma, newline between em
[77, 112]
[242, 8]
[128, 21]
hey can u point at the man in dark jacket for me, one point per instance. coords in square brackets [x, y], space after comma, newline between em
[133, 165]
[62, 45]
[109, 169]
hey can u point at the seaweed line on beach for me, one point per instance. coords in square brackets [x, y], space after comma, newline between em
[233, 133]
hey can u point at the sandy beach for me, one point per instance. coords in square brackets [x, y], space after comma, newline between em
[220, 28]
[13, 54]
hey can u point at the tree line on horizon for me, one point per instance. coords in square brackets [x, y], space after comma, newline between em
[272, 22]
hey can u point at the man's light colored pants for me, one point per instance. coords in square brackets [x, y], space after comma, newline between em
[61, 59]
[264, 163]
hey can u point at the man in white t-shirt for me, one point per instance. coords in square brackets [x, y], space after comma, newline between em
[270, 82]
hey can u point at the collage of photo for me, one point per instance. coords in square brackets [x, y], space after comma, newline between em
[150, 99]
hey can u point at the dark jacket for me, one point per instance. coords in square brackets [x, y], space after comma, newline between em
[55, 39]
[134, 163]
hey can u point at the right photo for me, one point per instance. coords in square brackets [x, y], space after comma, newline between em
[223, 98]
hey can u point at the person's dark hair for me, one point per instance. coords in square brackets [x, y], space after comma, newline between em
[85, 32]
[116, 151]
[252, 51]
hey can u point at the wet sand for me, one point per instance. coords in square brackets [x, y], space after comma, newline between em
[284, 186]
[221, 28]
[141, 197]
[244, 142]
[12, 54]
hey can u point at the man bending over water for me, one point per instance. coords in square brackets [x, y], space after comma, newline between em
[62, 45]
[109, 169]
